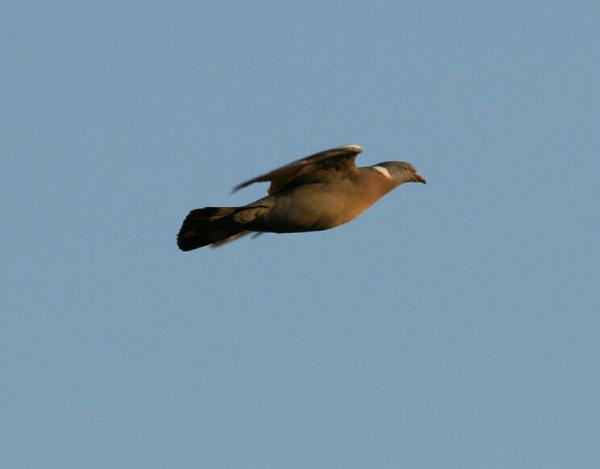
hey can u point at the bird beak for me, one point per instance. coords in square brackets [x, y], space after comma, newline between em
[419, 178]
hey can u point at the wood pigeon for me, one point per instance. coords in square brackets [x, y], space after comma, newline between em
[319, 192]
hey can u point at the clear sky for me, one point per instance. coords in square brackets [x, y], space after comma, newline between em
[453, 325]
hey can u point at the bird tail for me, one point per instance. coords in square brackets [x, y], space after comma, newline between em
[209, 225]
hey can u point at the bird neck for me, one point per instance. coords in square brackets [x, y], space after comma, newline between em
[374, 184]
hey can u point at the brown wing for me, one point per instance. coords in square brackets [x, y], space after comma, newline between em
[313, 168]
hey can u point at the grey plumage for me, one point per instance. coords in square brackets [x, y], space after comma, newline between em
[319, 192]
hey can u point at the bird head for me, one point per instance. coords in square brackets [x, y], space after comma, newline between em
[402, 172]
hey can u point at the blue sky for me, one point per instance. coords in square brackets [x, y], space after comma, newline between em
[453, 325]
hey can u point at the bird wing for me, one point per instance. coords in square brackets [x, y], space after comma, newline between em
[315, 168]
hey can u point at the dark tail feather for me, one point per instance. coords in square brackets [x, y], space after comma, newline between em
[209, 225]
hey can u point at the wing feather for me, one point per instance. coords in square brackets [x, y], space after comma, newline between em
[317, 166]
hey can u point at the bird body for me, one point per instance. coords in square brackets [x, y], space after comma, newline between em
[316, 193]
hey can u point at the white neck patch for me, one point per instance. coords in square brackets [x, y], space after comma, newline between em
[383, 171]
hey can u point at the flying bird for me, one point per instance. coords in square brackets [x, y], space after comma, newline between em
[315, 193]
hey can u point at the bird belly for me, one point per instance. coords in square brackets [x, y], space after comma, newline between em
[310, 210]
